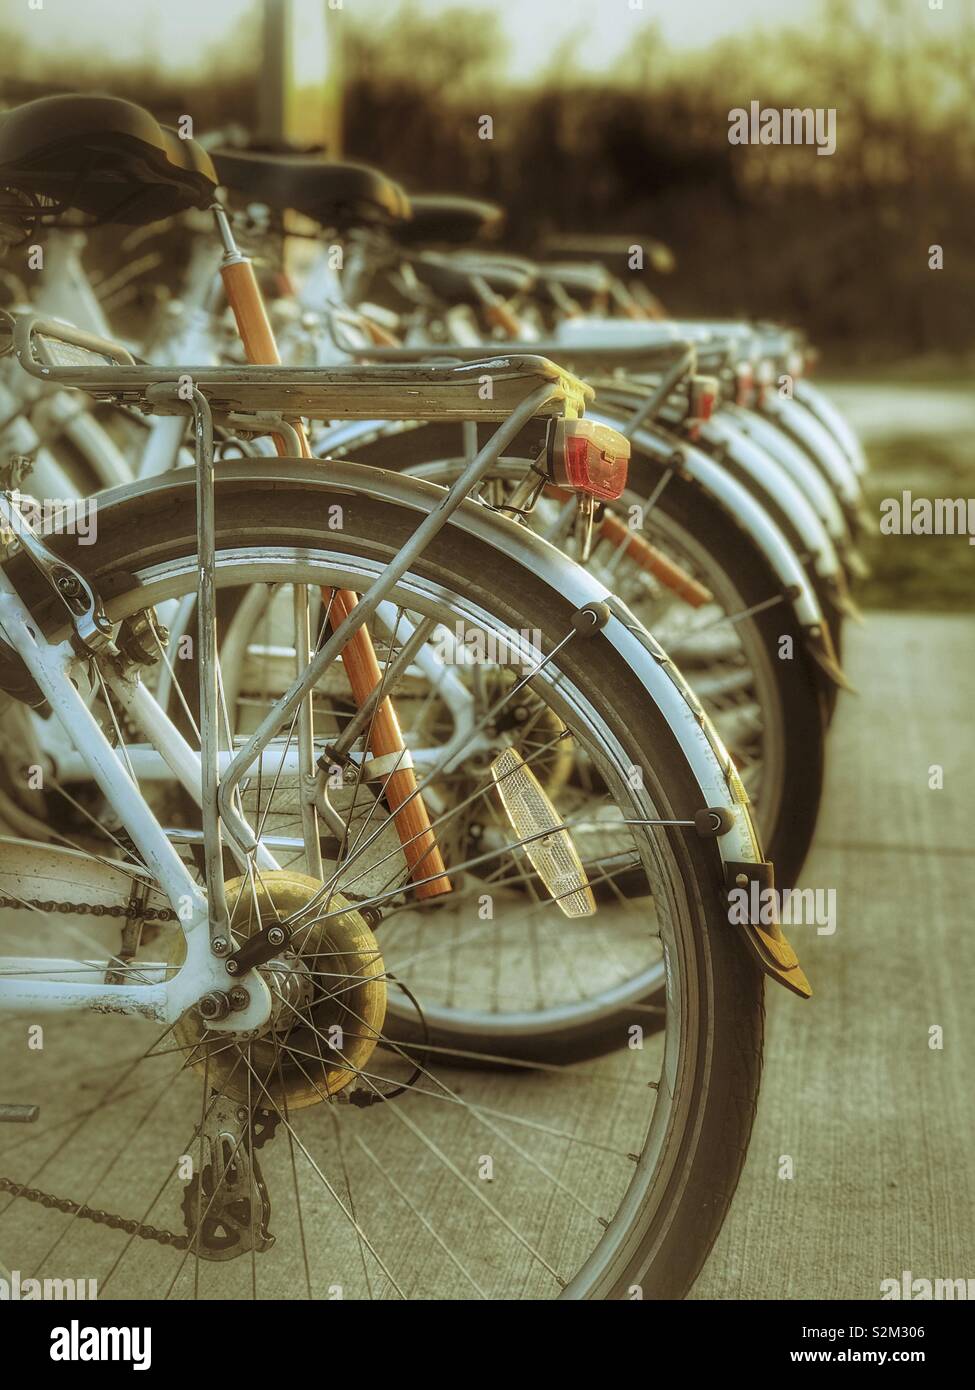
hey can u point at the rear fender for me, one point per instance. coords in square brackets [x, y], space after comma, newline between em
[802, 425]
[742, 509]
[767, 479]
[765, 939]
[826, 412]
[767, 434]
[713, 770]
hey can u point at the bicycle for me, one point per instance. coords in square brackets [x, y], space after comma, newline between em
[233, 960]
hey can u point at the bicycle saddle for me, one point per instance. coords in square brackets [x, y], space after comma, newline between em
[339, 196]
[442, 218]
[453, 278]
[102, 156]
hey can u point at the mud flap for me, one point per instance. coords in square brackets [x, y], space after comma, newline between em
[856, 564]
[765, 939]
[820, 647]
[842, 597]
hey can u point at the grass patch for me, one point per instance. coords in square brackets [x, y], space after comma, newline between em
[919, 572]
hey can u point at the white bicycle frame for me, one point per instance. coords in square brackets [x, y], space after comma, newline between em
[214, 783]
[166, 755]
[53, 666]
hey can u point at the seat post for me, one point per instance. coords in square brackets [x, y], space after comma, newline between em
[245, 299]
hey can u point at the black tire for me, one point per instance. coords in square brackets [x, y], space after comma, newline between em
[669, 1259]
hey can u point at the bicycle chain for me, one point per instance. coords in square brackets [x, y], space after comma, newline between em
[86, 1213]
[146, 914]
[263, 1123]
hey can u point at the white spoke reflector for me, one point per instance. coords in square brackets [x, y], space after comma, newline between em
[550, 849]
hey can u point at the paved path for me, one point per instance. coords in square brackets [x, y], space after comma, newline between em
[887, 411]
[880, 1127]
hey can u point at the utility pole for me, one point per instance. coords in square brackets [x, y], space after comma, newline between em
[299, 84]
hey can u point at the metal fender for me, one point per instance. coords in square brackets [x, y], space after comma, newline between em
[772, 482]
[826, 412]
[711, 765]
[745, 512]
[768, 479]
[802, 425]
[765, 431]
[742, 509]
[764, 937]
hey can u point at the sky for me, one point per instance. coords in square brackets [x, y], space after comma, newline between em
[175, 33]
[535, 26]
[181, 29]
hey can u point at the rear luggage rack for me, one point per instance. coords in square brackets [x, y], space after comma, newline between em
[488, 389]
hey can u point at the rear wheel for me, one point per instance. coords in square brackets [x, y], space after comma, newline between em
[631, 1166]
[743, 652]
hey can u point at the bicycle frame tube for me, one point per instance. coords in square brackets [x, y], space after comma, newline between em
[174, 754]
[64, 289]
[578, 587]
[51, 667]
[206, 612]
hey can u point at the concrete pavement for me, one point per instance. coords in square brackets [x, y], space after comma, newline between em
[879, 1125]
[875, 1125]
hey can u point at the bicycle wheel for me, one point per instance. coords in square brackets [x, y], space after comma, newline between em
[387, 1196]
[742, 651]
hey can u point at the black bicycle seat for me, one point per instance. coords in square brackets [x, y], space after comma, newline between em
[444, 219]
[337, 195]
[102, 156]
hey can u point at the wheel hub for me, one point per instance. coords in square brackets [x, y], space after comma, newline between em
[328, 999]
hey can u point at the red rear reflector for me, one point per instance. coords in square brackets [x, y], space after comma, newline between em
[588, 457]
[744, 383]
[702, 397]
